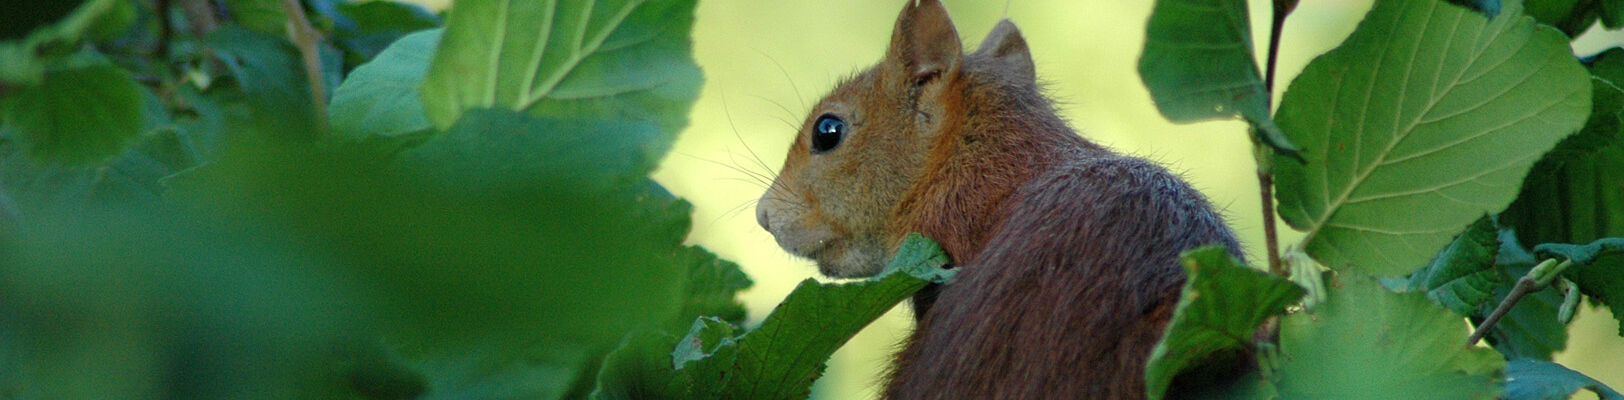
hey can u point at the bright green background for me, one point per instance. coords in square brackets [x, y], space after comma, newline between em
[766, 61]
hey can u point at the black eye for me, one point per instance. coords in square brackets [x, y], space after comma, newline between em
[827, 133]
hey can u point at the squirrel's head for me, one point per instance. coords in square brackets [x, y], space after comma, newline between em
[865, 146]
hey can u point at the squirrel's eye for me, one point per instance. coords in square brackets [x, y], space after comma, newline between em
[827, 133]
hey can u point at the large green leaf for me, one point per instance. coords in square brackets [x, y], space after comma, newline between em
[1366, 340]
[1543, 380]
[1223, 303]
[76, 116]
[1427, 106]
[1198, 65]
[609, 59]
[381, 96]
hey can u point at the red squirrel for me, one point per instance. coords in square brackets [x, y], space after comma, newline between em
[1067, 252]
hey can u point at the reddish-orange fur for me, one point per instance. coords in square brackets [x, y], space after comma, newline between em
[1067, 251]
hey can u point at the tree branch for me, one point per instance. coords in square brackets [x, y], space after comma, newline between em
[308, 41]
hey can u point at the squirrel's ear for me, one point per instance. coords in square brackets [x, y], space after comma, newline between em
[924, 43]
[1007, 49]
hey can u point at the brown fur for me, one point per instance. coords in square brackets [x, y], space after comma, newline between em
[1068, 252]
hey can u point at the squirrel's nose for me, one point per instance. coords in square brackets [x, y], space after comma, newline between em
[761, 217]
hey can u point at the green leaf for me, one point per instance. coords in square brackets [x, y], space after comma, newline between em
[1365, 339]
[1222, 304]
[370, 27]
[79, 116]
[1571, 16]
[1581, 254]
[1463, 277]
[263, 16]
[1427, 106]
[1198, 65]
[268, 71]
[640, 369]
[1541, 380]
[1612, 13]
[781, 358]
[713, 287]
[612, 59]
[381, 96]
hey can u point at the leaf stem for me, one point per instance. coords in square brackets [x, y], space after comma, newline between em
[1265, 176]
[308, 40]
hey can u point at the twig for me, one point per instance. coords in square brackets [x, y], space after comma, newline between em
[1525, 285]
[166, 30]
[1265, 177]
[1536, 279]
[308, 41]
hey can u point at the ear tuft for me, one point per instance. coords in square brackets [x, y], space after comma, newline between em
[924, 41]
[1005, 47]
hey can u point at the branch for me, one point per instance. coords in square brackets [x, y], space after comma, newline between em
[1264, 154]
[1535, 280]
[308, 41]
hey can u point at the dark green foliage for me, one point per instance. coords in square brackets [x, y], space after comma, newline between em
[1463, 277]
[1223, 303]
[1540, 380]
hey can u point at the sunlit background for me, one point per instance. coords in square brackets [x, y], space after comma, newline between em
[766, 61]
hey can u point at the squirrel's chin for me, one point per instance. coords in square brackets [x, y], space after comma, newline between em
[845, 259]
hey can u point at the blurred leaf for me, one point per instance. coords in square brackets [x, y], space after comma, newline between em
[1541, 380]
[1570, 16]
[1223, 302]
[1407, 115]
[17, 25]
[613, 59]
[1489, 8]
[372, 26]
[640, 368]
[781, 358]
[139, 302]
[268, 72]
[381, 96]
[76, 116]
[713, 287]
[1198, 65]
[1463, 276]
[263, 16]
[1612, 13]
[508, 254]
[1366, 340]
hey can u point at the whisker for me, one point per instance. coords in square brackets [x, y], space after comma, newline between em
[775, 103]
[726, 110]
[787, 76]
[763, 179]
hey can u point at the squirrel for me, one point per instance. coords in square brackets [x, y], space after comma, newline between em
[1068, 253]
